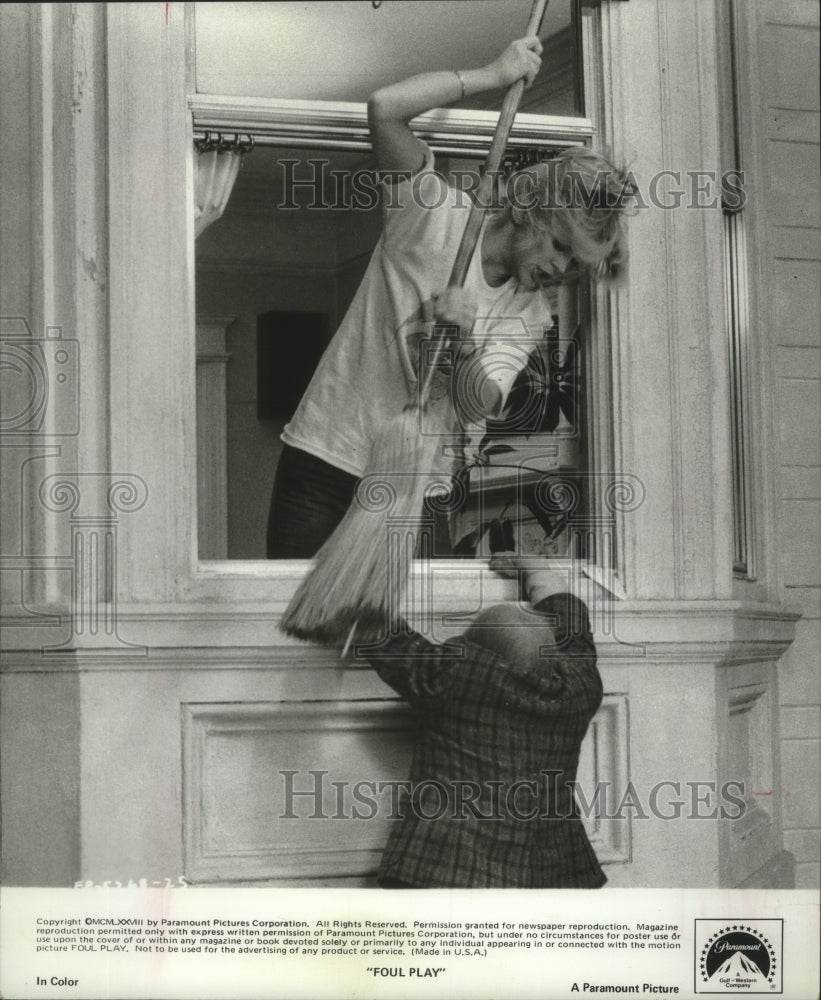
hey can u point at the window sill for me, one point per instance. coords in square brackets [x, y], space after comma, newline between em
[245, 635]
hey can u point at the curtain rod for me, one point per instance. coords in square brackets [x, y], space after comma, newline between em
[224, 142]
[205, 140]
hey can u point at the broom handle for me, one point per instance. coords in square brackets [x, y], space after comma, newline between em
[470, 236]
[467, 246]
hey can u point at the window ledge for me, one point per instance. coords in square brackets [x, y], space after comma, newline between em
[246, 634]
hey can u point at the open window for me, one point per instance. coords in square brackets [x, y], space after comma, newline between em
[276, 273]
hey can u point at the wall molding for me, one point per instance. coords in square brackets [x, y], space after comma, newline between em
[604, 763]
[246, 636]
[230, 836]
[748, 751]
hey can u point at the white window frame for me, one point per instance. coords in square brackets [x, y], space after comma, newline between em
[162, 571]
[327, 125]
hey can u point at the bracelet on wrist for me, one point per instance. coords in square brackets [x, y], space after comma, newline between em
[457, 73]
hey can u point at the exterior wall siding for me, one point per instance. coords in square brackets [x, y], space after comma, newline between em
[790, 90]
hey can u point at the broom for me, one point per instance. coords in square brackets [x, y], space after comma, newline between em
[359, 576]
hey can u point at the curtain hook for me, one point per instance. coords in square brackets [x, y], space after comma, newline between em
[246, 145]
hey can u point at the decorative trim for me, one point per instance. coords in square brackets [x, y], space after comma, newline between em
[748, 753]
[245, 635]
[268, 852]
[604, 763]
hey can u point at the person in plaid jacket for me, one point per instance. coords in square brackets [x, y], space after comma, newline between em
[503, 711]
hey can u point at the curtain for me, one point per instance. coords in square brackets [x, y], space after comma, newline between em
[216, 173]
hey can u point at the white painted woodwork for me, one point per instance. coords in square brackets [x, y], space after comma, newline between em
[244, 819]
[212, 449]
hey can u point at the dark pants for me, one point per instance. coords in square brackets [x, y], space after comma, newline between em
[310, 498]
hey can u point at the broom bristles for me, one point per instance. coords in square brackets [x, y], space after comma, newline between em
[360, 574]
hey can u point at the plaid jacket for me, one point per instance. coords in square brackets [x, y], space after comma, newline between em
[487, 803]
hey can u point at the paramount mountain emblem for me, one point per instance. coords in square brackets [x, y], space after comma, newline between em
[738, 956]
[739, 967]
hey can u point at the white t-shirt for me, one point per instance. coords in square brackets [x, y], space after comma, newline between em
[367, 374]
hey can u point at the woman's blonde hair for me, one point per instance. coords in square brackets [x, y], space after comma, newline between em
[582, 198]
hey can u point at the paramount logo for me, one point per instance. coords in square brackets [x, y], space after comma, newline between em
[736, 968]
[734, 957]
